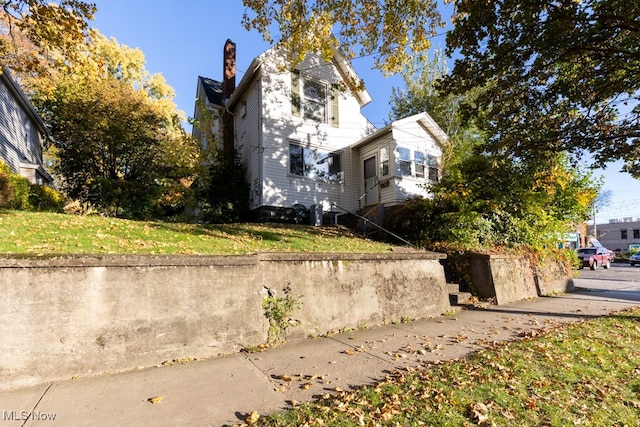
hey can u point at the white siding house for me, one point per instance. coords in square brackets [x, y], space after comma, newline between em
[22, 132]
[304, 140]
[293, 129]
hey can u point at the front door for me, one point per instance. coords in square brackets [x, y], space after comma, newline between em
[370, 181]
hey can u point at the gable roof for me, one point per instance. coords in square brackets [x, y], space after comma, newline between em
[424, 119]
[342, 64]
[213, 90]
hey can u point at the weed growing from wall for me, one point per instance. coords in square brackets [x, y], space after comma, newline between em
[279, 310]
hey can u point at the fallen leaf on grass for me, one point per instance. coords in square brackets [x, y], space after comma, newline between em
[480, 412]
[253, 417]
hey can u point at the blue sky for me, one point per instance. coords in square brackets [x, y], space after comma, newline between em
[184, 39]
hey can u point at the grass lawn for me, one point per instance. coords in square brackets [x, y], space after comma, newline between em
[584, 374]
[47, 233]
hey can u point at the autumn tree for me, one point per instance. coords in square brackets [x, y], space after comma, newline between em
[116, 131]
[484, 199]
[51, 30]
[394, 31]
[560, 76]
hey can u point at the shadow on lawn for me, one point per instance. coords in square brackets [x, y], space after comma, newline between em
[268, 233]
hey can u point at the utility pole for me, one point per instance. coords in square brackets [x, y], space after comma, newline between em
[595, 232]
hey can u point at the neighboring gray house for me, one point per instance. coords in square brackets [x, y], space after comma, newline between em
[209, 96]
[22, 132]
[304, 140]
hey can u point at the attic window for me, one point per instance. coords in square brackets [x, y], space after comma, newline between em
[310, 99]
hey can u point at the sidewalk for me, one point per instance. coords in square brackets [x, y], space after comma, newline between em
[222, 391]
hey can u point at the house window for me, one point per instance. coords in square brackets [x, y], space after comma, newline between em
[432, 165]
[623, 234]
[418, 158]
[315, 163]
[314, 100]
[404, 161]
[636, 234]
[419, 166]
[384, 161]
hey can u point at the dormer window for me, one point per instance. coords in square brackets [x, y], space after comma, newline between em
[310, 99]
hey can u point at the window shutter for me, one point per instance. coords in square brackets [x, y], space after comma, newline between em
[334, 106]
[295, 93]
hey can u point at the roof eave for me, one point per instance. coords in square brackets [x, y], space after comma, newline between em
[252, 71]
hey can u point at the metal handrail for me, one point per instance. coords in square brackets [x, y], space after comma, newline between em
[367, 220]
[367, 191]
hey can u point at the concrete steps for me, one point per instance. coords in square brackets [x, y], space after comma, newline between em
[457, 297]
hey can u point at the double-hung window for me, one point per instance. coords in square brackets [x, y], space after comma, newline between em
[384, 161]
[315, 163]
[314, 100]
[404, 161]
[432, 166]
[418, 157]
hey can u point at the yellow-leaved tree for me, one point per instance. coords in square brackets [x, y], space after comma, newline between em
[117, 134]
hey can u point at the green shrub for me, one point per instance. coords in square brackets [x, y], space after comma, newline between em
[14, 189]
[44, 198]
[226, 195]
[5, 190]
[16, 192]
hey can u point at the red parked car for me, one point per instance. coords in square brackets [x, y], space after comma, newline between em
[594, 257]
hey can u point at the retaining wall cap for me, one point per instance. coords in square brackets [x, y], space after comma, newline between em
[129, 260]
[121, 260]
[331, 256]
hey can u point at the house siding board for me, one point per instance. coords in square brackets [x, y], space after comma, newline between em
[247, 141]
[280, 128]
[20, 140]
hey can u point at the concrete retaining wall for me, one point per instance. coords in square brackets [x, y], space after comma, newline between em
[509, 278]
[70, 316]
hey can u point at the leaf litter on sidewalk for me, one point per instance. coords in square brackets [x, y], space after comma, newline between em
[581, 374]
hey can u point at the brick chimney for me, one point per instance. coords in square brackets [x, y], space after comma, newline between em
[228, 87]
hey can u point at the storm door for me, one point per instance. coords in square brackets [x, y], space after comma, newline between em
[370, 181]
